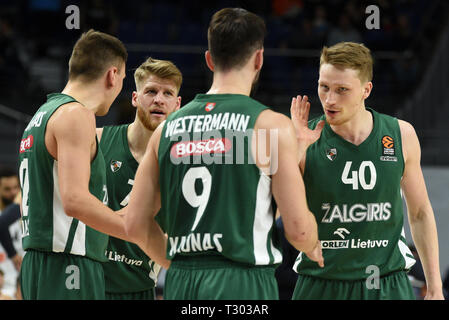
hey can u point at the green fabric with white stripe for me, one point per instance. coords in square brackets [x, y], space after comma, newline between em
[129, 269]
[208, 207]
[45, 225]
[354, 193]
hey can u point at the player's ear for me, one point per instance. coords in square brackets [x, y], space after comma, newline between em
[178, 103]
[134, 99]
[209, 62]
[111, 76]
[367, 89]
[258, 62]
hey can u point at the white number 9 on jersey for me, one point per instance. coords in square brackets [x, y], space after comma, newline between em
[188, 190]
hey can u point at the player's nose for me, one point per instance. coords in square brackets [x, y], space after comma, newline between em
[330, 99]
[159, 98]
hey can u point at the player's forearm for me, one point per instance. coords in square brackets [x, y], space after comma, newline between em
[92, 212]
[424, 233]
[306, 239]
[155, 244]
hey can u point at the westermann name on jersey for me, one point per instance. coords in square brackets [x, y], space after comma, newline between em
[356, 213]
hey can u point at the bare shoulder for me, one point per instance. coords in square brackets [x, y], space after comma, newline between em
[410, 142]
[278, 136]
[269, 119]
[72, 123]
[406, 128]
[72, 119]
[73, 112]
[408, 134]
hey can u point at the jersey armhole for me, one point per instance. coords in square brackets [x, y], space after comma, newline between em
[401, 147]
[46, 125]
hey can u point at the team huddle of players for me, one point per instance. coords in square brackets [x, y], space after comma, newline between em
[196, 189]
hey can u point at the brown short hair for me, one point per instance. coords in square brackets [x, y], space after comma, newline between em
[163, 69]
[233, 36]
[350, 55]
[94, 53]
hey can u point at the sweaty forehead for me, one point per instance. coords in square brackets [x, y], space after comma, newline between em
[338, 75]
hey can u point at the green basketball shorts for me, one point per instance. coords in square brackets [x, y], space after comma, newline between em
[61, 276]
[217, 278]
[395, 286]
[141, 295]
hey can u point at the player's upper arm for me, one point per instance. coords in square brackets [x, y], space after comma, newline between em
[287, 183]
[272, 130]
[412, 183]
[73, 128]
[411, 149]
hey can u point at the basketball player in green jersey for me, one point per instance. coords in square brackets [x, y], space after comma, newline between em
[216, 204]
[130, 273]
[63, 179]
[354, 169]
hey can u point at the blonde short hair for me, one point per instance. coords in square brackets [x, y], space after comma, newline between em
[350, 55]
[163, 69]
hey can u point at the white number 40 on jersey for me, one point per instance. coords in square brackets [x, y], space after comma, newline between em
[357, 178]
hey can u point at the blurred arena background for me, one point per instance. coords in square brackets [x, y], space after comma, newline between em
[411, 75]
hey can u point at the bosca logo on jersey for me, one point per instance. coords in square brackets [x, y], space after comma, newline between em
[199, 147]
[26, 144]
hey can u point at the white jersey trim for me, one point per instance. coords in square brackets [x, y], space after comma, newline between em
[62, 223]
[263, 222]
[406, 253]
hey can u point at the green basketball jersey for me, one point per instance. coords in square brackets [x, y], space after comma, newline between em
[129, 269]
[45, 225]
[215, 200]
[354, 193]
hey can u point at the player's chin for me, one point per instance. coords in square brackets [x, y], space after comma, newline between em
[158, 120]
[154, 123]
[330, 120]
[334, 120]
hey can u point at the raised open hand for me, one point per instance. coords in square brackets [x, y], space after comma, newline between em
[299, 112]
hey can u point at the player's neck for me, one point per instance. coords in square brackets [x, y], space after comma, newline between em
[87, 95]
[232, 82]
[138, 137]
[357, 129]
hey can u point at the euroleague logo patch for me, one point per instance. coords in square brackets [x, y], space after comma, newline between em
[388, 151]
[209, 106]
[388, 142]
